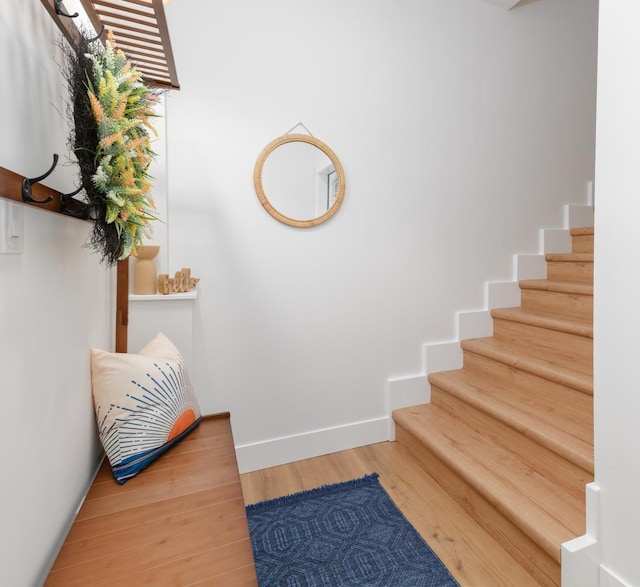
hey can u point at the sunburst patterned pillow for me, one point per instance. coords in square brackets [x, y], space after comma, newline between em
[144, 404]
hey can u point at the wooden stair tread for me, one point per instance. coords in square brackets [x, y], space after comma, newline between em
[531, 502]
[569, 287]
[568, 433]
[548, 321]
[582, 230]
[526, 358]
[569, 257]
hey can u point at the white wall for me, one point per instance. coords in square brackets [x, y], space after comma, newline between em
[615, 516]
[462, 128]
[55, 303]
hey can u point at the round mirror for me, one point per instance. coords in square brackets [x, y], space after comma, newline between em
[299, 180]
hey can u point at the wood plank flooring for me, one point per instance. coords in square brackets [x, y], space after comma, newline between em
[469, 552]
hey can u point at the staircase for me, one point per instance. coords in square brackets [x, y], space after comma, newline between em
[510, 435]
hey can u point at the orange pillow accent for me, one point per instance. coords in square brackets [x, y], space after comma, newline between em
[183, 422]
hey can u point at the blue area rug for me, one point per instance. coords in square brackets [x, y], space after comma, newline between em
[344, 535]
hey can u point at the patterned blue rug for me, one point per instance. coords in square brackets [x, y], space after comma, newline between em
[344, 535]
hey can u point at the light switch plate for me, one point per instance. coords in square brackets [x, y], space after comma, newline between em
[11, 227]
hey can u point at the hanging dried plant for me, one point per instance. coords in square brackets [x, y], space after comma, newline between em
[111, 110]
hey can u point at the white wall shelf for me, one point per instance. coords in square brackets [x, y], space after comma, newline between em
[187, 295]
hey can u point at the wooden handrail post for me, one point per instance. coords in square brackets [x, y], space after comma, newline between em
[122, 305]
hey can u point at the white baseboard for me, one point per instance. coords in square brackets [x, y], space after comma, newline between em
[581, 556]
[70, 521]
[529, 267]
[403, 392]
[502, 294]
[408, 391]
[578, 215]
[441, 356]
[609, 579]
[555, 240]
[475, 324]
[580, 562]
[288, 449]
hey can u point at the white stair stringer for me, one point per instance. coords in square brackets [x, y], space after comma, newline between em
[554, 240]
[581, 556]
[478, 323]
[577, 215]
[411, 390]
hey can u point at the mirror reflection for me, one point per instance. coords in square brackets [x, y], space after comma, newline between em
[299, 180]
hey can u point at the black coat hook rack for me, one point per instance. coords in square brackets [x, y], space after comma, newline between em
[72, 207]
[97, 37]
[27, 183]
[61, 12]
[30, 191]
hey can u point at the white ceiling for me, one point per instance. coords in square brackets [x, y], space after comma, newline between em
[506, 4]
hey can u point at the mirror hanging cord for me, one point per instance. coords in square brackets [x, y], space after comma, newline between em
[297, 125]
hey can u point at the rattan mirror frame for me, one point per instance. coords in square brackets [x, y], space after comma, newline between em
[264, 200]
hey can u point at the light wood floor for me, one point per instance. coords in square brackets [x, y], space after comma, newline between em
[470, 554]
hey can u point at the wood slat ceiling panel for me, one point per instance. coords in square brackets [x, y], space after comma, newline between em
[140, 28]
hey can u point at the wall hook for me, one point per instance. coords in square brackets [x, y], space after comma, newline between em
[77, 210]
[27, 183]
[60, 12]
[97, 38]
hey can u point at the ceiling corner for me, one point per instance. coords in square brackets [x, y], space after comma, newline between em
[506, 4]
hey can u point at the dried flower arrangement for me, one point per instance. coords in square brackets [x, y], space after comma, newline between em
[111, 110]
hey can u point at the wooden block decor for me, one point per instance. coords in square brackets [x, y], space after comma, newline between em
[181, 283]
